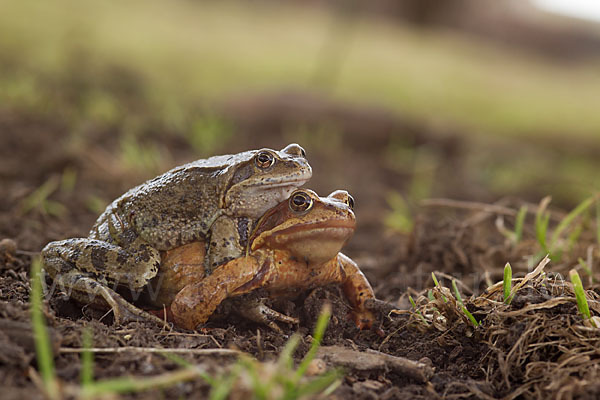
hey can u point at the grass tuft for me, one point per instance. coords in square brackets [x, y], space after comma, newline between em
[556, 245]
[282, 379]
[462, 305]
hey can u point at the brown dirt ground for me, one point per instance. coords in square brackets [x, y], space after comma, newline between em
[508, 356]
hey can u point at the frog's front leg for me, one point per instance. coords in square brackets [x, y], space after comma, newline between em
[357, 290]
[228, 240]
[92, 269]
[196, 302]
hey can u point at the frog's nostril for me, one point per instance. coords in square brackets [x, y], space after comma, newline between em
[294, 150]
[351, 202]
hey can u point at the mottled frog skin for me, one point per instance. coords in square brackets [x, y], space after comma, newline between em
[295, 246]
[216, 201]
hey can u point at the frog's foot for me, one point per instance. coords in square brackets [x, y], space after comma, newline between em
[258, 312]
[89, 291]
[363, 319]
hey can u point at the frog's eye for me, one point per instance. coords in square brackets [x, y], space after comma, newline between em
[300, 201]
[350, 202]
[264, 159]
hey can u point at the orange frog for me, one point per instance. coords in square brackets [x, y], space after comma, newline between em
[294, 246]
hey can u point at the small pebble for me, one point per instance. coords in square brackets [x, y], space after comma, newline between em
[8, 246]
[316, 367]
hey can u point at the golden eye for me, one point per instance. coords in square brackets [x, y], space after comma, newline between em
[350, 202]
[264, 159]
[300, 201]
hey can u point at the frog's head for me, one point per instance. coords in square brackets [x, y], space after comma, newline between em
[266, 179]
[312, 228]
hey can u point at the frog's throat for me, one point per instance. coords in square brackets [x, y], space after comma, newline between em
[277, 190]
[258, 200]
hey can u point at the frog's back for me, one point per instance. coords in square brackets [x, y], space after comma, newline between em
[174, 208]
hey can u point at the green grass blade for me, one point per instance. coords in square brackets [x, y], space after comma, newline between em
[414, 305]
[130, 384]
[400, 217]
[117, 385]
[322, 323]
[435, 281]
[260, 387]
[39, 197]
[582, 303]
[286, 359]
[568, 219]
[519, 222]
[222, 387]
[507, 283]
[462, 305]
[574, 236]
[68, 180]
[182, 362]
[318, 384]
[43, 348]
[542, 218]
[437, 284]
[412, 302]
[286, 364]
[457, 293]
[541, 229]
[87, 358]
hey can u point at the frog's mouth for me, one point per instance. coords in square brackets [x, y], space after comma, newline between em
[314, 243]
[292, 185]
[326, 231]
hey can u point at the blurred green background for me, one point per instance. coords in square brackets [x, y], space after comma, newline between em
[394, 100]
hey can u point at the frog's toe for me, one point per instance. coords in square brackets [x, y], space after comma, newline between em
[125, 312]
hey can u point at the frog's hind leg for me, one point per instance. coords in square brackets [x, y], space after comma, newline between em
[86, 269]
[88, 290]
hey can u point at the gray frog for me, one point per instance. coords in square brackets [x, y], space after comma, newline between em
[216, 201]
